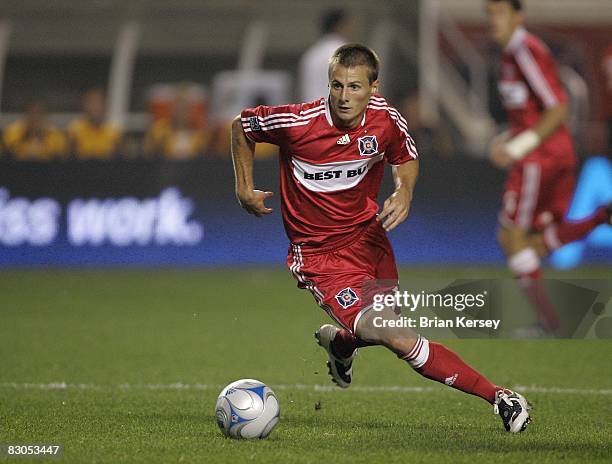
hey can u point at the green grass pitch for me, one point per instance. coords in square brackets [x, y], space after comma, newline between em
[125, 366]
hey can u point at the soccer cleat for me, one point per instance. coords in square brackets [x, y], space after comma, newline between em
[513, 408]
[340, 369]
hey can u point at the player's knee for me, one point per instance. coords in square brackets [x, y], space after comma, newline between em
[537, 242]
[502, 238]
[367, 331]
[383, 328]
[401, 344]
[514, 239]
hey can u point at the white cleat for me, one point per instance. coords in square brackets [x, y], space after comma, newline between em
[340, 369]
[513, 408]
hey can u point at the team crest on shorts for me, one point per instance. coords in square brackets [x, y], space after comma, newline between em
[254, 123]
[347, 297]
[368, 145]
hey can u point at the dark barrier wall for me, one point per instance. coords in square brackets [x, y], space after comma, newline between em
[185, 213]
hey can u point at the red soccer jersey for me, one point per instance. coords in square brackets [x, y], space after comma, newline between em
[606, 64]
[330, 177]
[529, 84]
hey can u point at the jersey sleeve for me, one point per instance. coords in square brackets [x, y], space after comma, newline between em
[540, 71]
[271, 124]
[401, 147]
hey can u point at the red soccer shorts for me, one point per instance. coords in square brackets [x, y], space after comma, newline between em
[344, 281]
[537, 193]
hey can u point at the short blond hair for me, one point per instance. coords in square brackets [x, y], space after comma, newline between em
[354, 54]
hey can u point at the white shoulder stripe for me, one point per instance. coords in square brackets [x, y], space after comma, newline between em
[316, 108]
[400, 122]
[265, 122]
[302, 113]
[276, 126]
[536, 78]
[392, 111]
[275, 121]
[378, 99]
[279, 115]
[399, 119]
[283, 117]
[302, 120]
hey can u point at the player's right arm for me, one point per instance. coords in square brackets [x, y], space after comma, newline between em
[243, 154]
[540, 72]
[505, 150]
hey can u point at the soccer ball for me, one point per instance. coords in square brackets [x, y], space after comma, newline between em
[247, 408]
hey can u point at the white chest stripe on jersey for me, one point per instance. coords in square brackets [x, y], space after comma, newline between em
[514, 94]
[333, 177]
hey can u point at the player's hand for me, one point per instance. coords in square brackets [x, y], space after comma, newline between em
[253, 201]
[497, 152]
[395, 209]
[500, 157]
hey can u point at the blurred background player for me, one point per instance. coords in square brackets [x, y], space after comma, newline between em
[539, 153]
[332, 156]
[335, 31]
[90, 136]
[606, 66]
[180, 136]
[33, 137]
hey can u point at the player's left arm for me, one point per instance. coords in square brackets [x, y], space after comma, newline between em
[397, 206]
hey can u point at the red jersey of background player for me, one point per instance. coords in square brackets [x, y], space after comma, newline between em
[606, 64]
[330, 177]
[529, 84]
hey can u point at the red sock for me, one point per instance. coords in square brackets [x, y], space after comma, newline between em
[444, 366]
[557, 235]
[526, 268]
[345, 343]
[536, 294]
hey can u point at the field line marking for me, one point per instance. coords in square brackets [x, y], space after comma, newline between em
[298, 386]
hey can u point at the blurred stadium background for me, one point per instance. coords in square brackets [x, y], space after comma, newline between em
[114, 119]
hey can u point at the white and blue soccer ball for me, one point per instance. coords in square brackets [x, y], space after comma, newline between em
[247, 408]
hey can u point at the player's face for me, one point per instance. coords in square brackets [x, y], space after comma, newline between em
[35, 115]
[94, 106]
[349, 93]
[502, 20]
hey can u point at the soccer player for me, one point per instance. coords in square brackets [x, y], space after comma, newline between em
[177, 137]
[332, 154]
[33, 137]
[91, 137]
[336, 27]
[539, 154]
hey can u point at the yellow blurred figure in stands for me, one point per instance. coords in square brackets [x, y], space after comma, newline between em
[177, 137]
[33, 138]
[91, 137]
